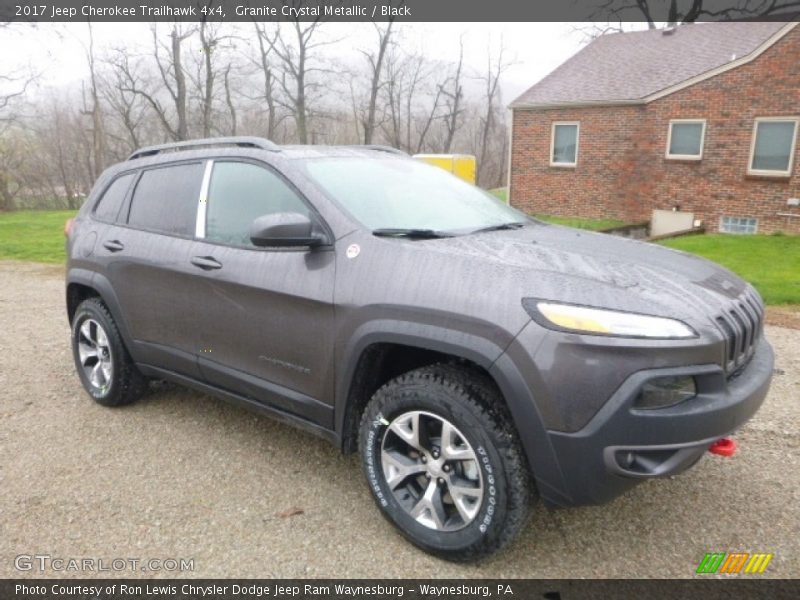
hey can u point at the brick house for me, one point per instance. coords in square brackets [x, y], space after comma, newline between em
[703, 117]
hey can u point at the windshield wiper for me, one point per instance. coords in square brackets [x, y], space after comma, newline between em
[419, 234]
[500, 227]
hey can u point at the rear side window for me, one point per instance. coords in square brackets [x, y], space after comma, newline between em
[238, 193]
[109, 205]
[166, 198]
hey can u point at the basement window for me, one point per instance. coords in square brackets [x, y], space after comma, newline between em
[564, 144]
[739, 225]
[685, 139]
[772, 147]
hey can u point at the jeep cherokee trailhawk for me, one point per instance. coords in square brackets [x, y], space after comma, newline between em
[470, 353]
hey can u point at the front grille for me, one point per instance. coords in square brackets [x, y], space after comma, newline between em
[742, 325]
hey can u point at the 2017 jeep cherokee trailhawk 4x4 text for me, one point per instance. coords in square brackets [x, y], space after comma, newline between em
[470, 353]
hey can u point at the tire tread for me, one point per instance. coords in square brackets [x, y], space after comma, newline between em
[129, 384]
[478, 394]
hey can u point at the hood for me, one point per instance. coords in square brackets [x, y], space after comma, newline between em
[569, 265]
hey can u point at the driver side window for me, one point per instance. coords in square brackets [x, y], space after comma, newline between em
[240, 192]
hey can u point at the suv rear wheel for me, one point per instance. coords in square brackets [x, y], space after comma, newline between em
[443, 462]
[103, 364]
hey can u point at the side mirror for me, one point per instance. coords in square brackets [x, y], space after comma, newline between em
[286, 230]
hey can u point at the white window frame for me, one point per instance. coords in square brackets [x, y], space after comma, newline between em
[767, 172]
[577, 125]
[686, 156]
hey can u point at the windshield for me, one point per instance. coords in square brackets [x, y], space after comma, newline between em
[407, 194]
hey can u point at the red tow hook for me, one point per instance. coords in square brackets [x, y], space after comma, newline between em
[723, 447]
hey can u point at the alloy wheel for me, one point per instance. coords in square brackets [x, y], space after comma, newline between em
[94, 353]
[432, 471]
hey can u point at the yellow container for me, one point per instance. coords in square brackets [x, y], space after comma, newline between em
[460, 165]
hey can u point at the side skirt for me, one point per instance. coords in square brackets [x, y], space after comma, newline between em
[248, 403]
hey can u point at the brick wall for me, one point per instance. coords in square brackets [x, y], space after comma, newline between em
[622, 171]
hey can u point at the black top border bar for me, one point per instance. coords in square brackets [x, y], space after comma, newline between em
[657, 11]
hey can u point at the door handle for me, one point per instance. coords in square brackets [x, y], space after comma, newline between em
[207, 263]
[113, 245]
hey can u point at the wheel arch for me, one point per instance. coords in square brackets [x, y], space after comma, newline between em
[365, 372]
[83, 284]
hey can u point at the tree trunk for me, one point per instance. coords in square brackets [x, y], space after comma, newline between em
[98, 130]
[182, 131]
[369, 125]
[300, 102]
[6, 197]
[452, 119]
[229, 101]
[208, 91]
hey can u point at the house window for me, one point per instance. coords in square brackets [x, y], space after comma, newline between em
[685, 139]
[741, 225]
[564, 144]
[772, 147]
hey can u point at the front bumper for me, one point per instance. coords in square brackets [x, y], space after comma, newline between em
[621, 445]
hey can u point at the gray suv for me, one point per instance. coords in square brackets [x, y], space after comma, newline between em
[474, 356]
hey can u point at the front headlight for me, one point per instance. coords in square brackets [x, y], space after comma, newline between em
[584, 319]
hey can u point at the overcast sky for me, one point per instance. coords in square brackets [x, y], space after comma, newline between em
[56, 51]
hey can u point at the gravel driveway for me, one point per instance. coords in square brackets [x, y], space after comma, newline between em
[182, 475]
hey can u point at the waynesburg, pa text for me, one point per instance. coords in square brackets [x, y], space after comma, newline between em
[267, 591]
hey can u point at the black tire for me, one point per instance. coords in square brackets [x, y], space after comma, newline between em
[471, 402]
[125, 383]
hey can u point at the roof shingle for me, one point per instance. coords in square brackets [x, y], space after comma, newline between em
[629, 67]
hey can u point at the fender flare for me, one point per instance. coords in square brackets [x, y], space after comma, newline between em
[105, 290]
[485, 353]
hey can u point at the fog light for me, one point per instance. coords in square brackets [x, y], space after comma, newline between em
[666, 391]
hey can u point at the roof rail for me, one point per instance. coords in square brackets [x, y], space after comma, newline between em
[241, 141]
[379, 148]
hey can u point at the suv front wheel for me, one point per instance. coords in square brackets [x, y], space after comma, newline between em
[443, 462]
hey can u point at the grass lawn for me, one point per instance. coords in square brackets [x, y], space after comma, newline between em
[579, 223]
[36, 235]
[501, 193]
[593, 224]
[770, 262]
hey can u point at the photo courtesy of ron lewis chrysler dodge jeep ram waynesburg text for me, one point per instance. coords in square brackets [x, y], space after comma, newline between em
[474, 356]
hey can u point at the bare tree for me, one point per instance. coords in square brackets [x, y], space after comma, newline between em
[95, 112]
[375, 61]
[11, 161]
[190, 81]
[168, 59]
[677, 12]
[412, 105]
[207, 72]
[174, 77]
[453, 92]
[491, 101]
[208, 43]
[229, 99]
[125, 105]
[15, 85]
[266, 43]
[402, 75]
[296, 55]
[429, 119]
